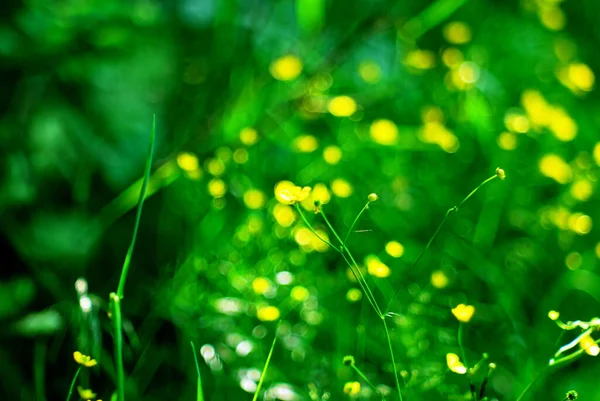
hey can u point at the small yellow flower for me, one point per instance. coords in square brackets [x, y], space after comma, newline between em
[553, 315]
[454, 364]
[373, 197]
[463, 312]
[352, 388]
[588, 344]
[295, 194]
[84, 360]
[500, 173]
[85, 394]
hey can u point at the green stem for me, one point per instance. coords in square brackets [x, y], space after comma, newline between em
[389, 341]
[448, 213]
[73, 383]
[312, 229]
[115, 309]
[264, 372]
[199, 393]
[464, 358]
[354, 223]
[354, 265]
[362, 375]
[332, 229]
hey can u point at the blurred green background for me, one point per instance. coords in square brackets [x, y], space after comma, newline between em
[416, 101]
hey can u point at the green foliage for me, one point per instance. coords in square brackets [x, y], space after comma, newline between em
[416, 103]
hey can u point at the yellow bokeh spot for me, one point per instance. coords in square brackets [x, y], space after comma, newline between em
[284, 215]
[332, 154]
[463, 313]
[286, 68]
[562, 125]
[457, 33]
[597, 250]
[369, 71]
[588, 344]
[260, 285]
[352, 388]
[341, 188]
[552, 17]
[435, 132]
[320, 193]
[553, 166]
[432, 114]
[187, 161]
[580, 223]
[354, 295]
[342, 106]
[217, 188]
[248, 136]
[384, 132]
[215, 167]
[452, 57]
[597, 153]
[240, 156]
[267, 313]
[582, 189]
[581, 76]
[507, 141]
[299, 293]
[573, 260]
[377, 268]
[439, 279]
[536, 107]
[420, 59]
[454, 364]
[394, 249]
[254, 199]
[305, 144]
[516, 122]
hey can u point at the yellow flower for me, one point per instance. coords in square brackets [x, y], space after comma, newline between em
[294, 194]
[454, 364]
[463, 312]
[588, 344]
[372, 197]
[85, 394]
[553, 315]
[352, 388]
[84, 360]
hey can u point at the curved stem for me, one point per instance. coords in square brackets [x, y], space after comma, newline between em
[448, 213]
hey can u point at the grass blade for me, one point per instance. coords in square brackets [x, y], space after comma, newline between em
[199, 395]
[138, 214]
[264, 372]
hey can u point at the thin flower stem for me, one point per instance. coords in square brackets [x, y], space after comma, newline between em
[464, 358]
[389, 341]
[448, 214]
[344, 249]
[310, 227]
[354, 223]
[332, 229]
[73, 383]
[362, 375]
